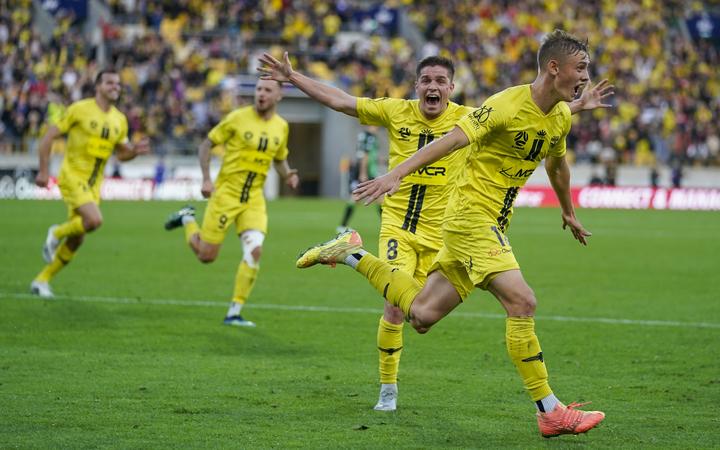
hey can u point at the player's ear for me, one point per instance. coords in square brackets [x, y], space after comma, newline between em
[553, 67]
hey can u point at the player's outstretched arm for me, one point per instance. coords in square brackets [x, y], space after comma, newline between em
[329, 96]
[559, 174]
[389, 183]
[593, 97]
[43, 175]
[127, 151]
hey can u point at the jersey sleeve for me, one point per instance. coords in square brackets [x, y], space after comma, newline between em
[68, 119]
[223, 131]
[480, 122]
[283, 151]
[374, 111]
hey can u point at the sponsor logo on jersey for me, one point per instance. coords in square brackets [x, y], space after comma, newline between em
[516, 174]
[431, 171]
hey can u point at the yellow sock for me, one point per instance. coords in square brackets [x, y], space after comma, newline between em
[525, 352]
[244, 282]
[390, 342]
[62, 257]
[395, 285]
[72, 227]
[190, 229]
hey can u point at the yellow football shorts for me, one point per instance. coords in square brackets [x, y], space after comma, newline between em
[404, 250]
[470, 260]
[76, 192]
[225, 207]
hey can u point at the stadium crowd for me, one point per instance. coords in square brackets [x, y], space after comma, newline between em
[179, 59]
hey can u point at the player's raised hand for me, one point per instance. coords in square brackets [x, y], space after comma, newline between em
[273, 69]
[593, 96]
[207, 188]
[371, 190]
[578, 231]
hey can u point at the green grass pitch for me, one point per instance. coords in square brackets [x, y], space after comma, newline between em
[132, 353]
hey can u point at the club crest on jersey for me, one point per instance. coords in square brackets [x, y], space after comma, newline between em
[521, 138]
[554, 140]
[248, 135]
[93, 124]
[404, 133]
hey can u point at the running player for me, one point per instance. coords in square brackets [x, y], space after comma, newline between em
[95, 129]
[254, 136]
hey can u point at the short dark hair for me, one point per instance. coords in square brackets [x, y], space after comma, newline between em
[98, 77]
[559, 44]
[436, 61]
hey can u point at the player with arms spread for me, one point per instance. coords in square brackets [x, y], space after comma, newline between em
[254, 136]
[95, 129]
[412, 218]
[509, 135]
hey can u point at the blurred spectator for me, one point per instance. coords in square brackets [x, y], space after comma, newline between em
[179, 60]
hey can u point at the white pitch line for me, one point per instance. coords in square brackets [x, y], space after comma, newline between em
[332, 309]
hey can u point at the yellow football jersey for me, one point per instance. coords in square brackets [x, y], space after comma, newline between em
[419, 205]
[509, 136]
[251, 144]
[91, 138]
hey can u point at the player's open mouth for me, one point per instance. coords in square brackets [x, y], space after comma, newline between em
[578, 88]
[432, 99]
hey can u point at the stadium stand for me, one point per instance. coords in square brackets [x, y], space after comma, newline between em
[179, 61]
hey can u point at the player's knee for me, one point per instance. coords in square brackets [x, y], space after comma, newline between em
[525, 303]
[206, 255]
[206, 258]
[422, 321]
[252, 241]
[92, 223]
[256, 253]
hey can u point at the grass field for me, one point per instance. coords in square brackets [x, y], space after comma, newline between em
[132, 353]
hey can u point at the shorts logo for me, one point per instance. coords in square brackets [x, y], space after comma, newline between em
[499, 251]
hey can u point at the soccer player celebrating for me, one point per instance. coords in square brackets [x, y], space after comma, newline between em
[508, 135]
[95, 129]
[253, 136]
[412, 219]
